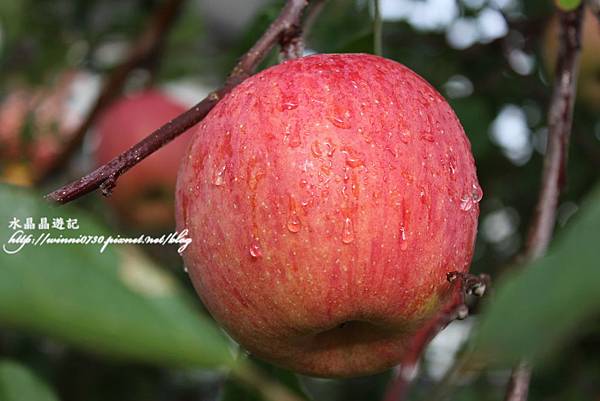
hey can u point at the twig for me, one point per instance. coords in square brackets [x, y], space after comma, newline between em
[377, 29]
[292, 43]
[105, 176]
[468, 284]
[519, 383]
[560, 119]
[312, 14]
[146, 46]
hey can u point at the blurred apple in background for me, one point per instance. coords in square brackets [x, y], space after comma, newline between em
[588, 87]
[144, 196]
[35, 124]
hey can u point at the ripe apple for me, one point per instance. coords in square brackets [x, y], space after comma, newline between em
[35, 125]
[588, 84]
[144, 197]
[327, 198]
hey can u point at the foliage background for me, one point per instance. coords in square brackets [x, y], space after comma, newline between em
[71, 328]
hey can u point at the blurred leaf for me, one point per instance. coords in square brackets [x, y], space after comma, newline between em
[233, 390]
[568, 5]
[17, 383]
[539, 309]
[114, 303]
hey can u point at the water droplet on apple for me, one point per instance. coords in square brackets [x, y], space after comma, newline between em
[348, 231]
[403, 243]
[255, 251]
[452, 164]
[352, 159]
[219, 176]
[293, 224]
[342, 120]
[427, 136]
[466, 203]
[404, 136]
[476, 193]
[315, 148]
[289, 105]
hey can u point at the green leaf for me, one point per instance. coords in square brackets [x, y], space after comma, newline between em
[115, 303]
[17, 383]
[539, 309]
[567, 5]
[233, 390]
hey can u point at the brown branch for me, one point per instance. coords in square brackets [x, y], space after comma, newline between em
[560, 119]
[468, 284]
[291, 43]
[146, 46]
[316, 6]
[105, 176]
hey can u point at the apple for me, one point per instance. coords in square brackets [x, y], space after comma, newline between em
[144, 197]
[35, 125]
[327, 198]
[588, 85]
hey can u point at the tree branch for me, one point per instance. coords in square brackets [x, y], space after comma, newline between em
[105, 176]
[377, 29]
[468, 284]
[148, 43]
[560, 119]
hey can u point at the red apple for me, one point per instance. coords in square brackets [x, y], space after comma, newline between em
[144, 197]
[35, 125]
[588, 84]
[327, 198]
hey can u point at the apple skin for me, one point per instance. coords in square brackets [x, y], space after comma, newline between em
[327, 198]
[144, 197]
[588, 81]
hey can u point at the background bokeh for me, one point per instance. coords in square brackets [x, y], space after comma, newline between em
[71, 330]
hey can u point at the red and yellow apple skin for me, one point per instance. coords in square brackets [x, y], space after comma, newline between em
[327, 198]
[144, 197]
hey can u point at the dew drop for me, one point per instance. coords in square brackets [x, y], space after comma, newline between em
[452, 164]
[403, 243]
[342, 120]
[427, 136]
[219, 177]
[315, 149]
[466, 203]
[405, 136]
[476, 193]
[348, 231]
[255, 251]
[293, 224]
[289, 105]
[295, 141]
[352, 159]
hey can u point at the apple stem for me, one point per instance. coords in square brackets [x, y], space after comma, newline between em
[106, 176]
[560, 120]
[144, 49]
